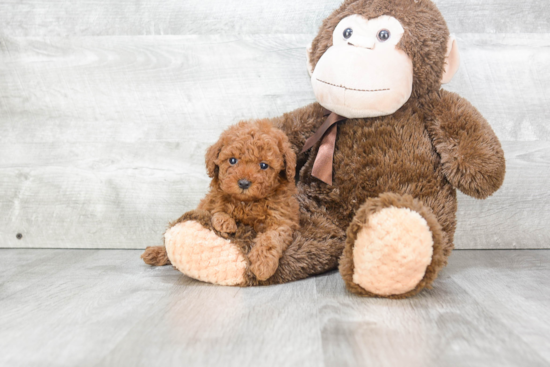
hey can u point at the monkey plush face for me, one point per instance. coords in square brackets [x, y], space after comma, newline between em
[363, 73]
[372, 56]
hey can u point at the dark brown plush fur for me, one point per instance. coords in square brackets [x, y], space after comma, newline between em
[414, 158]
[435, 143]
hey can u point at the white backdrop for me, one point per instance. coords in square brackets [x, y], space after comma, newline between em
[107, 108]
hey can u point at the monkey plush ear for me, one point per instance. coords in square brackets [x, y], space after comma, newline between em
[452, 60]
[308, 61]
[212, 158]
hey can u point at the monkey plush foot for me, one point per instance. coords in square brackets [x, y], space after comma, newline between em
[392, 252]
[200, 254]
[391, 247]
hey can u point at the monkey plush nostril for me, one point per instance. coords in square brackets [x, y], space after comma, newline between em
[244, 184]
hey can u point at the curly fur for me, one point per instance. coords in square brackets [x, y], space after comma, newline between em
[268, 206]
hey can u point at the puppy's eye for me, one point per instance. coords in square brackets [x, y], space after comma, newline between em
[383, 35]
[232, 161]
[347, 33]
[264, 165]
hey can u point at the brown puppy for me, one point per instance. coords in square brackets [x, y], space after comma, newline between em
[252, 168]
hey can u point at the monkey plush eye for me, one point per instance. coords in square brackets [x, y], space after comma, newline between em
[232, 161]
[383, 35]
[347, 33]
[264, 166]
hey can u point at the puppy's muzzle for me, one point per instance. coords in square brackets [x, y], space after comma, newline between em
[244, 184]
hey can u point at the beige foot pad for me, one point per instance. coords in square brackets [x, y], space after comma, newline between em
[200, 254]
[392, 252]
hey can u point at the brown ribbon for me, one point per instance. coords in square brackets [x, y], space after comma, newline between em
[322, 167]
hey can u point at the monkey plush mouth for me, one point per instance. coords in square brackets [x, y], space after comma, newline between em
[357, 90]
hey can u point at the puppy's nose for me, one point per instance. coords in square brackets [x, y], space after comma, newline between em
[244, 184]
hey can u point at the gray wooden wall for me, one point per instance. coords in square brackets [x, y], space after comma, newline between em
[107, 107]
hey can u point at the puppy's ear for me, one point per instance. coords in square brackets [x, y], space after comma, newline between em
[290, 160]
[212, 157]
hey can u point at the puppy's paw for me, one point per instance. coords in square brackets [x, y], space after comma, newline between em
[222, 222]
[263, 262]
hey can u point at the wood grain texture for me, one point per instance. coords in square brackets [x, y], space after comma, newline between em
[122, 195]
[506, 76]
[133, 89]
[107, 308]
[512, 289]
[102, 137]
[172, 88]
[448, 325]
[517, 216]
[125, 17]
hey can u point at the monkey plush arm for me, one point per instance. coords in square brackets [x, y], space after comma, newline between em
[471, 154]
[300, 124]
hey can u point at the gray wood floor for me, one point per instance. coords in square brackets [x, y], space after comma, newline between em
[106, 308]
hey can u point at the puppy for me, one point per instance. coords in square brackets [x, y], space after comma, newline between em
[252, 167]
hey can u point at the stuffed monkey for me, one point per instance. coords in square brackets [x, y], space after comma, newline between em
[380, 156]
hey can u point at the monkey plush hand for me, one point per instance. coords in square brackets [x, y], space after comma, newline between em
[381, 154]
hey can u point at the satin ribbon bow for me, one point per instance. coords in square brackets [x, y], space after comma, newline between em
[322, 167]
